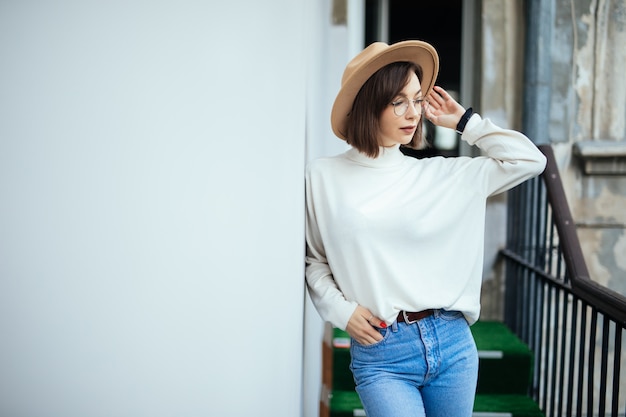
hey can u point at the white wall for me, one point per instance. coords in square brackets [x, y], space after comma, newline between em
[151, 208]
[327, 51]
[330, 48]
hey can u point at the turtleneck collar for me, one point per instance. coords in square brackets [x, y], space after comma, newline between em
[387, 157]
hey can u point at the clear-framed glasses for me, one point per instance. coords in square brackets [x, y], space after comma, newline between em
[401, 106]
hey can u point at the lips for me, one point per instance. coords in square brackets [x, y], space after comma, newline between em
[409, 130]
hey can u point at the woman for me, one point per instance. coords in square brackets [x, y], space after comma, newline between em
[395, 243]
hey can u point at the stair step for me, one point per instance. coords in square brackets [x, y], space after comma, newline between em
[345, 404]
[505, 405]
[336, 355]
[348, 404]
[505, 365]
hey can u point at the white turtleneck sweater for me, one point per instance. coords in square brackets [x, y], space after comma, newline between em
[397, 233]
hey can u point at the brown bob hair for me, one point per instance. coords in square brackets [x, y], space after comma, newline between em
[363, 122]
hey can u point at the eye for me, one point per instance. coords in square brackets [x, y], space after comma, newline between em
[398, 102]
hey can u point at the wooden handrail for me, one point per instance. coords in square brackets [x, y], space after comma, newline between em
[604, 299]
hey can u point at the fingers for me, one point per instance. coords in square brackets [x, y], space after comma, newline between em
[442, 109]
[437, 96]
[362, 326]
[370, 339]
[442, 93]
[428, 112]
[376, 321]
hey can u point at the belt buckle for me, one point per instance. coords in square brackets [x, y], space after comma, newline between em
[406, 318]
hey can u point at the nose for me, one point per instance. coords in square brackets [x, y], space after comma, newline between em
[414, 110]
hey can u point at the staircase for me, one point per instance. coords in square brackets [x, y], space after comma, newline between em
[504, 375]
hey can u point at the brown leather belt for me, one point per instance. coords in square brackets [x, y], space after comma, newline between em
[412, 317]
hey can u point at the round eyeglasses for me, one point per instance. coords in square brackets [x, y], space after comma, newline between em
[401, 106]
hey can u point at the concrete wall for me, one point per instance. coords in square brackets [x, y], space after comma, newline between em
[587, 118]
[501, 61]
[588, 112]
[589, 105]
[152, 207]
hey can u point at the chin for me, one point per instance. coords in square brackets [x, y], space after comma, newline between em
[399, 141]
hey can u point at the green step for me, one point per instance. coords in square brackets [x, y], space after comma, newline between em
[339, 342]
[345, 404]
[505, 405]
[348, 404]
[505, 362]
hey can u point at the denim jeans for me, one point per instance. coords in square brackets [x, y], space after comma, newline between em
[428, 368]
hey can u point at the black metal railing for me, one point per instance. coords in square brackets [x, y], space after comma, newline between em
[574, 326]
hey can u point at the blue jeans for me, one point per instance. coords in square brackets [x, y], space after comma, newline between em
[428, 368]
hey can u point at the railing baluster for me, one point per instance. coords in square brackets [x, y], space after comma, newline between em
[526, 288]
[554, 357]
[545, 272]
[592, 357]
[604, 352]
[538, 331]
[617, 360]
[581, 362]
[562, 354]
[572, 354]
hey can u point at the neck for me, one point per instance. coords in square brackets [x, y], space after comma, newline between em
[387, 156]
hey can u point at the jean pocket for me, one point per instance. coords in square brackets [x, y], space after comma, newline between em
[383, 332]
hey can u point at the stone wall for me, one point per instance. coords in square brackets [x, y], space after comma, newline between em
[501, 46]
[588, 128]
[587, 125]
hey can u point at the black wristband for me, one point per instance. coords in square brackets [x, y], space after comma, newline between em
[466, 116]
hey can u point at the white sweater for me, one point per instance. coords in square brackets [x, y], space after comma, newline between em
[398, 233]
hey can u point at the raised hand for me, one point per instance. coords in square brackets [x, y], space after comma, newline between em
[441, 109]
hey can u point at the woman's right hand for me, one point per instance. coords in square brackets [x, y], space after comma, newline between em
[362, 326]
[441, 109]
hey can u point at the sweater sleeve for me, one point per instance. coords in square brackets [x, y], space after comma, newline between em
[328, 299]
[513, 158]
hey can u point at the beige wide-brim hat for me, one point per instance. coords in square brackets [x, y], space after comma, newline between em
[370, 60]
